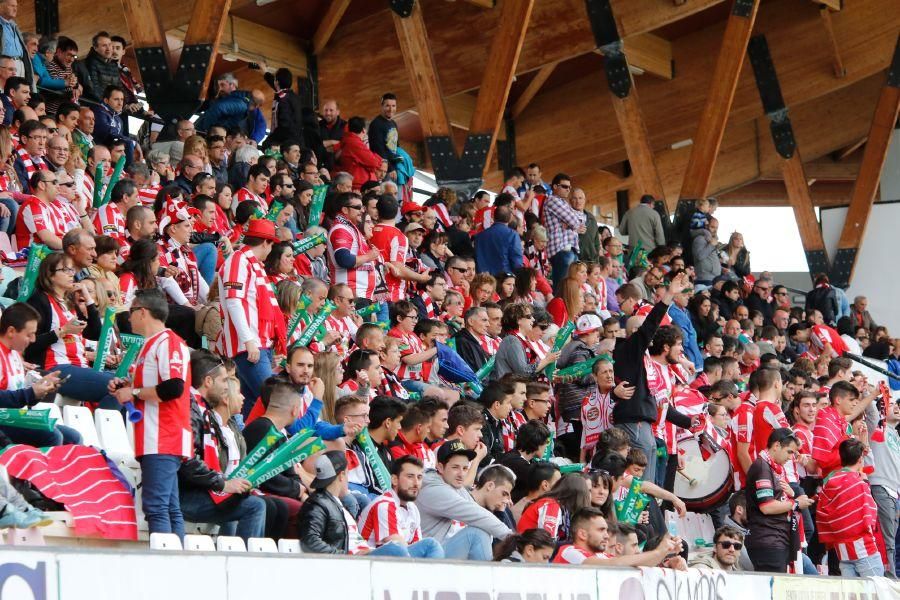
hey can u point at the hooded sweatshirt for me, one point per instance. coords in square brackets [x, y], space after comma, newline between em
[445, 508]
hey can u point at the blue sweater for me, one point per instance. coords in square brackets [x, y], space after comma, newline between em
[310, 420]
[498, 249]
[691, 347]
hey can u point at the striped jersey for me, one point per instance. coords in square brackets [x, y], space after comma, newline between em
[166, 426]
[68, 349]
[345, 236]
[573, 555]
[386, 516]
[110, 221]
[245, 195]
[830, 430]
[12, 369]
[846, 515]
[243, 278]
[36, 215]
[394, 246]
[741, 432]
[410, 344]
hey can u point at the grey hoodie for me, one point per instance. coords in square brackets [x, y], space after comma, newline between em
[440, 504]
[706, 257]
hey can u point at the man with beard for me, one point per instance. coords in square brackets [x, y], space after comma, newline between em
[590, 539]
[394, 518]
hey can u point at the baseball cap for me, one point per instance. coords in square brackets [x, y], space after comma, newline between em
[451, 448]
[328, 466]
[410, 206]
[414, 227]
[587, 323]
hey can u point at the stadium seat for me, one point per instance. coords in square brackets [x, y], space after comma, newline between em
[25, 537]
[80, 419]
[114, 438]
[164, 541]
[199, 543]
[229, 543]
[55, 411]
[261, 545]
[286, 546]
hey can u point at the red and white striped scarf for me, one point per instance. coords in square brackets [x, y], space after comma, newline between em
[510, 427]
[391, 386]
[430, 308]
[489, 344]
[183, 258]
[32, 165]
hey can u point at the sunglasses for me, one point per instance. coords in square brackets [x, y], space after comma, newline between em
[729, 545]
[355, 206]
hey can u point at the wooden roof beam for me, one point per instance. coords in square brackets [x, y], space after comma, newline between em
[651, 54]
[250, 42]
[846, 151]
[501, 70]
[834, 5]
[838, 64]
[328, 24]
[460, 108]
[531, 90]
[774, 193]
[874, 156]
[711, 128]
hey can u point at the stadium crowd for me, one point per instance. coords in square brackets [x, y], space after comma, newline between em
[291, 283]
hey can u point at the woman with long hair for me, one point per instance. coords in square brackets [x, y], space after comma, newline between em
[435, 252]
[506, 287]
[516, 353]
[280, 264]
[9, 182]
[531, 546]
[224, 209]
[526, 287]
[69, 316]
[195, 145]
[569, 304]
[601, 494]
[327, 367]
[104, 271]
[700, 307]
[553, 511]
[735, 257]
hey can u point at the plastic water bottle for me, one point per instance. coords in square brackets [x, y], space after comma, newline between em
[672, 524]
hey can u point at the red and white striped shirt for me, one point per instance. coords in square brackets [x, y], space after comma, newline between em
[805, 436]
[831, 429]
[147, 195]
[600, 291]
[394, 246]
[166, 426]
[69, 349]
[36, 215]
[510, 427]
[191, 284]
[127, 287]
[546, 514]
[242, 278]
[386, 516]
[110, 221]
[411, 344]
[573, 555]
[347, 328]
[659, 382]
[245, 195]
[489, 344]
[742, 431]
[345, 236]
[846, 515]
[12, 369]
[66, 213]
[767, 417]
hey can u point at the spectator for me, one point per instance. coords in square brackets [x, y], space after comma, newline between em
[532, 546]
[12, 43]
[770, 506]
[682, 319]
[704, 244]
[83, 135]
[461, 520]
[727, 545]
[498, 249]
[383, 134]
[589, 241]
[29, 156]
[160, 389]
[564, 224]
[356, 158]
[331, 128]
[823, 298]
[759, 299]
[590, 541]
[583, 347]
[471, 341]
[108, 124]
[832, 424]
[860, 314]
[249, 309]
[129, 84]
[350, 256]
[60, 68]
[554, 510]
[496, 402]
[735, 258]
[847, 516]
[393, 517]
[885, 481]
[642, 225]
[287, 108]
[515, 353]
[229, 108]
[97, 71]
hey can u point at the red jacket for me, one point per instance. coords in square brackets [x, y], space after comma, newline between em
[845, 511]
[358, 160]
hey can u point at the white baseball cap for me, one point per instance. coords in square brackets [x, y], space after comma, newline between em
[587, 323]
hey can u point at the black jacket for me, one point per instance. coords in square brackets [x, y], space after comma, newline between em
[288, 110]
[95, 74]
[628, 365]
[823, 299]
[470, 350]
[323, 529]
[286, 483]
[754, 302]
[194, 472]
[569, 395]
[36, 352]
[492, 435]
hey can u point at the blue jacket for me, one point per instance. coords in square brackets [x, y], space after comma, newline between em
[498, 249]
[107, 124]
[230, 111]
[45, 79]
[691, 348]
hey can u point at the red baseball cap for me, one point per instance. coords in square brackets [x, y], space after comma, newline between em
[263, 229]
[410, 206]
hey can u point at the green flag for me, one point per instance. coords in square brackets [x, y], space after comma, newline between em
[316, 205]
[36, 254]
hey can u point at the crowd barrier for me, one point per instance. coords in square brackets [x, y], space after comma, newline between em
[76, 574]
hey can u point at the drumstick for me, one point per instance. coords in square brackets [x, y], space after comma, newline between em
[691, 481]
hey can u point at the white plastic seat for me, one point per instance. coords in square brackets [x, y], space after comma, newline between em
[165, 541]
[79, 418]
[261, 545]
[199, 543]
[55, 412]
[113, 437]
[229, 543]
[286, 546]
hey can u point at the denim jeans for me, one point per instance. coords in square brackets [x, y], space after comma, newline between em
[207, 255]
[887, 517]
[870, 566]
[248, 512]
[159, 487]
[470, 543]
[58, 436]
[427, 548]
[252, 375]
[8, 224]
[87, 385]
[641, 437]
[559, 265]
